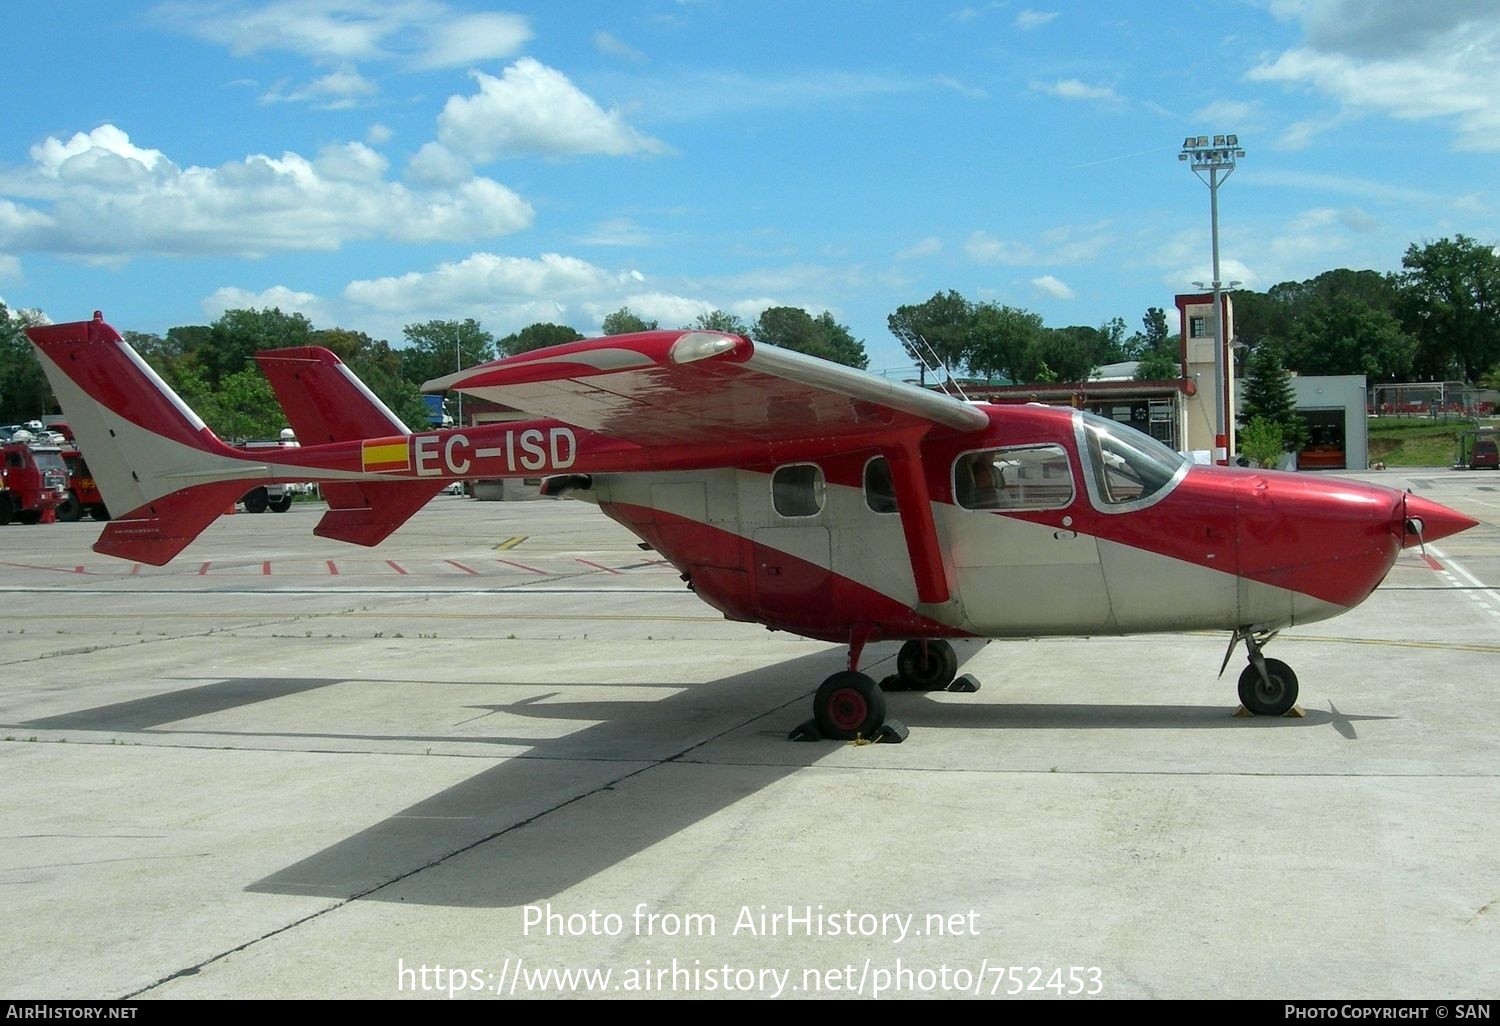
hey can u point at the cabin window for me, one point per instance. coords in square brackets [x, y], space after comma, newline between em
[797, 490]
[1127, 468]
[880, 489]
[1020, 478]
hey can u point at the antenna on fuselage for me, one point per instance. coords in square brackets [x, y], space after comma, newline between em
[947, 379]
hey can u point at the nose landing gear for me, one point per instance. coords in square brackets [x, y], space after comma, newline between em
[1267, 687]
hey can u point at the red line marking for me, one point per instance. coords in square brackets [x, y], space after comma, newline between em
[1432, 562]
[204, 568]
[395, 566]
[135, 569]
[333, 569]
[521, 566]
[465, 569]
[597, 566]
[265, 568]
[34, 566]
[78, 570]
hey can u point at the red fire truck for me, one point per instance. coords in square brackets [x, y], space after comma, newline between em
[33, 481]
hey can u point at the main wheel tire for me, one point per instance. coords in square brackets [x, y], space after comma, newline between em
[282, 504]
[1275, 699]
[256, 500]
[926, 665]
[70, 510]
[848, 705]
[99, 512]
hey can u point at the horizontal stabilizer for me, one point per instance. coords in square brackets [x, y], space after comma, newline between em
[365, 513]
[159, 530]
[323, 400]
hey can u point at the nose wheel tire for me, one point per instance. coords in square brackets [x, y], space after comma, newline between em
[926, 665]
[1273, 695]
[848, 705]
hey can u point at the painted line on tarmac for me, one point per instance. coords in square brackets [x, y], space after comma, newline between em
[518, 590]
[308, 615]
[1484, 596]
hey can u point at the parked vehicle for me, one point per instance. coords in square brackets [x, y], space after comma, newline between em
[33, 480]
[83, 494]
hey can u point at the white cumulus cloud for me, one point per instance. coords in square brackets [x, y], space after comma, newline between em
[278, 296]
[1401, 58]
[99, 196]
[480, 280]
[423, 33]
[534, 109]
[1048, 285]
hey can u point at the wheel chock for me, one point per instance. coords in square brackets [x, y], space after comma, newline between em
[1296, 712]
[891, 732]
[805, 732]
[965, 684]
[892, 683]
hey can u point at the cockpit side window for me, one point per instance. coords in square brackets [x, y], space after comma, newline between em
[1020, 478]
[797, 490]
[1127, 469]
[880, 489]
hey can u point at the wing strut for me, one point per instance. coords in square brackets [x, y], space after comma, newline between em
[912, 498]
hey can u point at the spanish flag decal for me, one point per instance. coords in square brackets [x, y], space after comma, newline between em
[386, 454]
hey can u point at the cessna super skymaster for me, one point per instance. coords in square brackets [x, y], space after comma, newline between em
[788, 491]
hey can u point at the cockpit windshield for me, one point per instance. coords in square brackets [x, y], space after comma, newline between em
[1128, 469]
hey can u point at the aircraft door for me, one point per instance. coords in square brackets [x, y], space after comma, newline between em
[1020, 576]
[792, 551]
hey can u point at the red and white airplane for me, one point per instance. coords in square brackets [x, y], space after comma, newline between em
[789, 491]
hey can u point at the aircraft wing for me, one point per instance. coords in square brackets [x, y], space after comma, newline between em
[685, 388]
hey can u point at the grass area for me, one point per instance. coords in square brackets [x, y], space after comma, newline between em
[1416, 442]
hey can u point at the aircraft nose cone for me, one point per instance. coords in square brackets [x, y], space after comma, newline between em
[1428, 521]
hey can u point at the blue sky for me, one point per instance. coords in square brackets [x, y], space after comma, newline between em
[371, 164]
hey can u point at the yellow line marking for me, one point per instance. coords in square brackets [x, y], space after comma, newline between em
[511, 543]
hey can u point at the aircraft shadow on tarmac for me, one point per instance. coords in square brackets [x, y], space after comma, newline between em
[976, 716]
[533, 826]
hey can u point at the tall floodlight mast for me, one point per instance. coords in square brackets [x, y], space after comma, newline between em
[1213, 162]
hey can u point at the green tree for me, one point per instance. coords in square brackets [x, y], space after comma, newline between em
[1077, 351]
[1156, 335]
[624, 322]
[1268, 396]
[1112, 346]
[720, 320]
[1006, 341]
[24, 391]
[438, 348]
[1451, 303]
[1345, 335]
[1158, 365]
[1262, 442]
[238, 335]
[792, 327]
[940, 328]
[537, 336]
[380, 367]
[245, 407]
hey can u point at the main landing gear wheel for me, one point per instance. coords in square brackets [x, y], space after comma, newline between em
[848, 705]
[926, 665]
[1272, 695]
